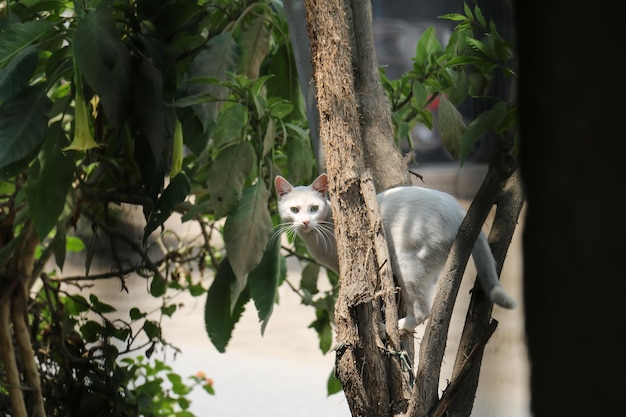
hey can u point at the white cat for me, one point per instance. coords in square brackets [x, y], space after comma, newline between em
[420, 225]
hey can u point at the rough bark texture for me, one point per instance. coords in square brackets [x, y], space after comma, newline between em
[18, 358]
[478, 322]
[363, 361]
[425, 391]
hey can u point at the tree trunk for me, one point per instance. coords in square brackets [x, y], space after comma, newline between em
[363, 361]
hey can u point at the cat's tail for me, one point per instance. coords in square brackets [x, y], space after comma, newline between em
[487, 274]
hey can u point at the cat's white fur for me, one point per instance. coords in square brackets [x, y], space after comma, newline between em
[420, 225]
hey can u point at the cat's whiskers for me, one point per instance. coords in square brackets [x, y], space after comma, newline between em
[326, 233]
[288, 228]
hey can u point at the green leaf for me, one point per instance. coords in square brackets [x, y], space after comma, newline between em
[451, 126]
[230, 125]
[158, 285]
[136, 314]
[15, 76]
[168, 310]
[426, 45]
[219, 319]
[333, 386]
[105, 63]
[20, 36]
[152, 329]
[177, 190]
[255, 45]
[299, 158]
[49, 180]
[227, 177]
[75, 305]
[90, 331]
[23, 124]
[281, 110]
[216, 60]
[263, 282]
[246, 233]
[285, 82]
[485, 122]
[309, 278]
[100, 307]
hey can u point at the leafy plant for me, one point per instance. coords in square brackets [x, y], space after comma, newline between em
[445, 77]
[179, 110]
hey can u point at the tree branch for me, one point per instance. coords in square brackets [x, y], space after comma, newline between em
[433, 344]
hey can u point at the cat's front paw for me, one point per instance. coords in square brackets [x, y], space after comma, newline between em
[407, 324]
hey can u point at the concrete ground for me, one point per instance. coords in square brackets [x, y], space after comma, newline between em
[284, 373]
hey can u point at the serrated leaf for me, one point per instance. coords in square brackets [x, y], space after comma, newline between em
[246, 233]
[49, 180]
[263, 282]
[255, 45]
[227, 177]
[485, 122]
[219, 319]
[177, 190]
[20, 36]
[23, 124]
[451, 126]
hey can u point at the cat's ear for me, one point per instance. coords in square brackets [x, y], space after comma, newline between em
[282, 186]
[319, 184]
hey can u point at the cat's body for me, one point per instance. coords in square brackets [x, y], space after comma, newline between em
[420, 225]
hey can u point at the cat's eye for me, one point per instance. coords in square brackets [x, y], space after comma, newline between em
[294, 210]
[314, 209]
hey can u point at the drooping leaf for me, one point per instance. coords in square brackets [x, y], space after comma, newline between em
[49, 180]
[23, 124]
[485, 122]
[246, 233]
[333, 385]
[104, 61]
[299, 158]
[177, 190]
[255, 45]
[19, 36]
[227, 177]
[217, 60]
[16, 75]
[285, 82]
[263, 281]
[219, 319]
[451, 126]
[230, 125]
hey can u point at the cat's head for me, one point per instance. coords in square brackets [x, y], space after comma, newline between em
[305, 207]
